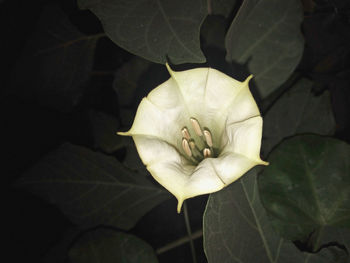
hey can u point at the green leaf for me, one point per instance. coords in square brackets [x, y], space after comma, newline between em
[265, 36]
[330, 234]
[306, 187]
[56, 62]
[153, 29]
[92, 188]
[236, 229]
[221, 7]
[108, 246]
[104, 128]
[297, 111]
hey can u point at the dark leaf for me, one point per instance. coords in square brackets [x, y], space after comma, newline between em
[126, 80]
[221, 7]
[265, 36]
[92, 188]
[297, 111]
[108, 246]
[306, 186]
[155, 30]
[105, 129]
[56, 63]
[236, 229]
[332, 235]
[59, 252]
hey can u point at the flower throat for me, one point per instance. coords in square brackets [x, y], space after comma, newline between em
[193, 149]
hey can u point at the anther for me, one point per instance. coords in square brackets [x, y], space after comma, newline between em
[196, 127]
[186, 147]
[185, 133]
[208, 138]
[206, 152]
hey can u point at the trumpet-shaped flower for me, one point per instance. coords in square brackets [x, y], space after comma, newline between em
[198, 132]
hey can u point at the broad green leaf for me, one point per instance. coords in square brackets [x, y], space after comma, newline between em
[109, 246]
[306, 187]
[265, 36]
[104, 128]
[155, 30]
[297, 111]
[92, 188]
[56, 62]
[221, 7]
[236, 229]
[330, 234]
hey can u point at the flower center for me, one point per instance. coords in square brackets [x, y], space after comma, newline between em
[191, 146]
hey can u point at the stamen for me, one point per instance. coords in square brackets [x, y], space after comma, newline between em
[196, 127]
[208, 138]
[206, 152]
[192, 144]
[185, 133]
[186, 147]
[195, 150]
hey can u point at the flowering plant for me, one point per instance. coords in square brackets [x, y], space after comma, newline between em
[198, 132]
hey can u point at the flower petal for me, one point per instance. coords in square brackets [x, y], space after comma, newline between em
[243, 106]
[244, 138]
[204, 180]
[165, 163]
[232, 166]
[206, 89]
[213, 174]
[211, 97]
[162, 114]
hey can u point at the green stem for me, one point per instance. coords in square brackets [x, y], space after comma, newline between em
[189, 232]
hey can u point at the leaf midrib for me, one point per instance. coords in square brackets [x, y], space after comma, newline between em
[308, 174]
[267, 249]
[264, 36]
[162, 11]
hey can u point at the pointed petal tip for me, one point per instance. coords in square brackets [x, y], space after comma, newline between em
[248, 79]
[124, 133]
[179, 205]
[171, 72]
[263, 162]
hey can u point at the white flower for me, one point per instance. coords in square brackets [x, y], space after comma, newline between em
[198, 132]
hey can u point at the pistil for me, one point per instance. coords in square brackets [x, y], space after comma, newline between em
[192, 149]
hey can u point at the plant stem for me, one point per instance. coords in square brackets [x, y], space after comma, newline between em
[188, 228]
[179, 242]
